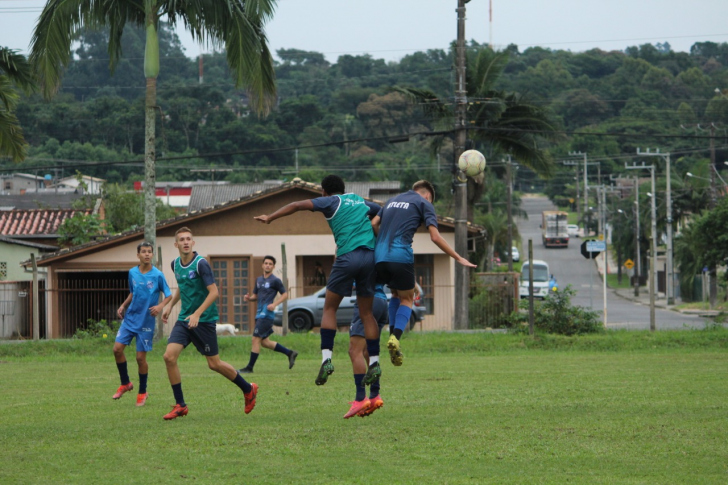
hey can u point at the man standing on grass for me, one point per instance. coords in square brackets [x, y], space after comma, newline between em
[348, 218]
[395, 226]
[196, 322]
[265, 291]
[138, 314]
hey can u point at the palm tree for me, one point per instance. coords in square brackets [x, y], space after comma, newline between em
[14, 72]
[238, 25]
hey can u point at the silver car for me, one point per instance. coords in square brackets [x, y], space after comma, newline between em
[305, 312]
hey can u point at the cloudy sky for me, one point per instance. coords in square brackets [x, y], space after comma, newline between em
[390, 29]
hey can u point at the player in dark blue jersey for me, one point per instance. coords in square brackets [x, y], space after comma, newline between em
[395, 226]
[269, 292]
[139, 312]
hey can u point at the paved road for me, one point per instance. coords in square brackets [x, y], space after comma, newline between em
[571, 268]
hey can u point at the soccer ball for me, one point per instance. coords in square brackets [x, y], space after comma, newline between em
[472, 162]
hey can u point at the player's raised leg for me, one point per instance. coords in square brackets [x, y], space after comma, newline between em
[249, 389]
[328, 335]
[141, 358]
[175, 379]
[121, 366]
[401, 320]
[357, 347]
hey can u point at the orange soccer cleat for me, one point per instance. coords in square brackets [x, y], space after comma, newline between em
[176, 412]
[357, 407]
[124, 388]
[250, 398]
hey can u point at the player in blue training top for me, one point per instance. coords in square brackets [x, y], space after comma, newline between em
[348, 216]
[196, 323]
[395, 226]
[358, 355]
[139, 312]
[265, 291]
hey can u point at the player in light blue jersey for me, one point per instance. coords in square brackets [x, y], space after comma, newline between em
[139, 312]
[395, 226]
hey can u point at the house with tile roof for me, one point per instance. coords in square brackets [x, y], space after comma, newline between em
[90, 280]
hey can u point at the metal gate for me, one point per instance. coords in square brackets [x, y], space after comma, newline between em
[16, 309]
[494, 296]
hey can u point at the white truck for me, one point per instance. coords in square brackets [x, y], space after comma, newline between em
[540, 279]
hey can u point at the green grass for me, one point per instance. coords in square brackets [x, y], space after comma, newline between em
[613, 281]
[623, 407]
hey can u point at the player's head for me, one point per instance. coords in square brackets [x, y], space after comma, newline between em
[269, 263]
[425, 189]
[145, 252]
[183, 240]
[332, 185]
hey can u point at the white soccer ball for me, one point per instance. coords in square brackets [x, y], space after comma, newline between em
[472, 162]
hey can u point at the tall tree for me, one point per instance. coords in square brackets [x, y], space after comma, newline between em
[236, 24]
[14, 72]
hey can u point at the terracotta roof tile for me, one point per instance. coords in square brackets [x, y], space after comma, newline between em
[31, 222]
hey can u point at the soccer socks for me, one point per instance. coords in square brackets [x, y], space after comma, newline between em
[242, 384]
[393, 307]
[373, 348]
[143, 383]
[401, 320]
[281, 349]
[178, 397]
[253, 358]
[374, 389]
[327, 343]
[123, 373]
[361, 391]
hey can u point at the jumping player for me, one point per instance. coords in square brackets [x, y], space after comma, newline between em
[196, 322]
[139, 312]
[266, 289]
[395, 226]
[363, 406]
[348, 216]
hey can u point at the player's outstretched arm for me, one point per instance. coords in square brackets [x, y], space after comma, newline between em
[445, 247]
[286, 210]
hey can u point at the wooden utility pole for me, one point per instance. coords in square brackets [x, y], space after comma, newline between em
[713, 271]
[36, 303]
[462, 275]
[530, 288]
[284, 268]
[509, 173]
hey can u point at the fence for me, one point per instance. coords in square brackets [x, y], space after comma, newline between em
[16, 310]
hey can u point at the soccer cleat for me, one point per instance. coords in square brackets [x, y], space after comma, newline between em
[327, 368]
[357, 407]
[394, 353]
[124, 388]
[245, 370]
[142, 399]
[374, 372]
[292, 359]
[250, 398]
[176, 412]
[375, 403]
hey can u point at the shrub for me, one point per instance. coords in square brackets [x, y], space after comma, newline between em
[556, 315]
[98, 329]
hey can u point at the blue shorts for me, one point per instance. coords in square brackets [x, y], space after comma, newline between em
[398, 276]
[357, 267]
[144, 337]
[263, 328]
[380, 309]
[204, 336]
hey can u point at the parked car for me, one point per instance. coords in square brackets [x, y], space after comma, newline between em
[515, 254]
[305, 312]
[572, 230]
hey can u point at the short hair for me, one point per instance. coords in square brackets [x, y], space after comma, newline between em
[182, 229]
[271, 258]
[424, 184]
[333, 184]
[144, 244]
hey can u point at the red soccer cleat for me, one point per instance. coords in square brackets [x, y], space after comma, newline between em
[376, 403]
[176, 412]
[122, 389]
[358, 407]
[250, 398]
[142, 399]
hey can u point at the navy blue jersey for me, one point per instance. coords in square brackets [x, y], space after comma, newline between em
[267, 289]
[400, 218]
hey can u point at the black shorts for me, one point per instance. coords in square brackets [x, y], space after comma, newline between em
[204, 336]
[398, 276]
[357, 267]
[263, 328]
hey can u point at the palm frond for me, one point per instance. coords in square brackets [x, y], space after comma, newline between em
[484, 69]
[427, 100]
[12, 143]
[17, 69]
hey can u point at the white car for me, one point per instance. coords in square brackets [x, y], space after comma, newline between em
[540, 280]
[515, 254]
[572, 230]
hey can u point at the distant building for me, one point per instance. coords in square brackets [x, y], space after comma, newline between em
[177, 194]
[20, 183]
[93, 184]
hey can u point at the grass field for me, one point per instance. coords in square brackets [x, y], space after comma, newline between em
[623, 407]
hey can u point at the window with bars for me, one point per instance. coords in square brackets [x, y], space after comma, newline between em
[3, 270]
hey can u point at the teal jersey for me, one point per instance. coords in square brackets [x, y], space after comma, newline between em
[192, 281]
[348, 218]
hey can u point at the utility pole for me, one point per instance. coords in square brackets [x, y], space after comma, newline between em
[713, 270]
[586, 183]
[462, 276]
[510, 214]
[653, 244]
[638, 267]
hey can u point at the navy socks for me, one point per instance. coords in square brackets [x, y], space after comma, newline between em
[178, 397]
[281, 349]
[123, 373]
[360, 389]
[242, 384]
[143, 383]
[253, 358]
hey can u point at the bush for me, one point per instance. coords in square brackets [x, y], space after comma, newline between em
[490, 306]
[98, 329]
[556, 315]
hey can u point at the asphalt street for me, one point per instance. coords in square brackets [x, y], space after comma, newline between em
[571, 268]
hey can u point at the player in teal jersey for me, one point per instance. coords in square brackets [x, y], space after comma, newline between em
[138, 314]
[196, 322]
[348, 216]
